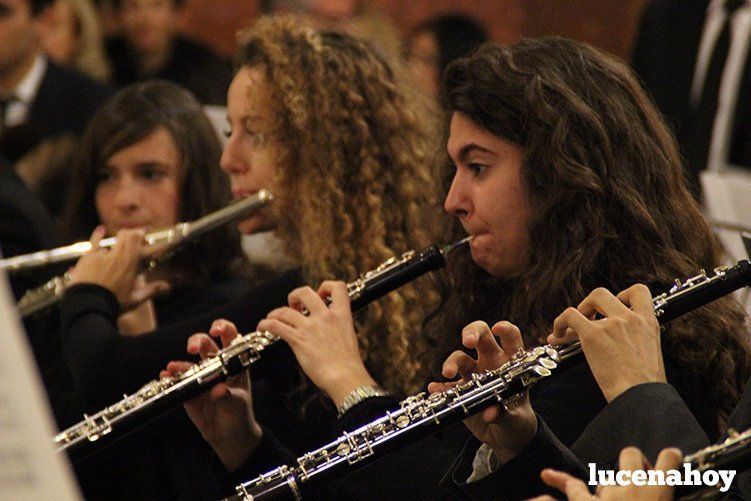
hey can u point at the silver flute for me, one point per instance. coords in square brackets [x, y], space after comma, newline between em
[421, 414]
[158, 396]
[52, 291]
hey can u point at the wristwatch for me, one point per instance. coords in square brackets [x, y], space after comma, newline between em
[359, 394]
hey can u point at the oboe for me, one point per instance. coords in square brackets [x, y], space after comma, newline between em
[734, 453]
[157, 396]
[172, 238]
[422, 414]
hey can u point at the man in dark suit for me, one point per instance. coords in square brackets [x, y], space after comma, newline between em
[25, 225]
[682, 55]
[39, 101]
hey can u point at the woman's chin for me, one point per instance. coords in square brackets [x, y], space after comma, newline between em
[494, 267]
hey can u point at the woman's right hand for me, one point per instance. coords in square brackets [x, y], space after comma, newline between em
[506, 430]
[324, 341]
[631, 459]
[116, 269]
[224, 415]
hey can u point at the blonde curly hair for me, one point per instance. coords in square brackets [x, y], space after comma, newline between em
[354, 184]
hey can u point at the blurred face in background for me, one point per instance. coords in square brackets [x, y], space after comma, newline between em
[18, 41]
[149, 25]
[331, 10]
[139, 186]
[251, 153]
[423, 60]
[59, 33]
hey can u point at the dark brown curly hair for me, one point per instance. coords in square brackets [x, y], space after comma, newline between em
[354, 185]
[611, 206]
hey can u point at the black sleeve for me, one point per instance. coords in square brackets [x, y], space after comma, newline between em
[519, 478]
[105, 364]
[650, 416]
[88, 315]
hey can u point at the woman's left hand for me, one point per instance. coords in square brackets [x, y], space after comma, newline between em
[324, 342]
[507, 431]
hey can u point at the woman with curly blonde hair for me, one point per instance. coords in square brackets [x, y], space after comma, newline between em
[323, 122]
[350, 151]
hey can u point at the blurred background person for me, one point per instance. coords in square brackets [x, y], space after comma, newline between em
[71, 35]
[151, 46]
[25, 225]
[358, 18]
[40, 102]
[437, 41]
[693, 57]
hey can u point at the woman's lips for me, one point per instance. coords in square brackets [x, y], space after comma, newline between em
[243, 193]
[131, 226]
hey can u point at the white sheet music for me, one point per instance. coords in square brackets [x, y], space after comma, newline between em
[727, 198]
[29, 467]
[727, 201]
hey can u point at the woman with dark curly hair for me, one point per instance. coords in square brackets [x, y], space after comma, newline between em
[568, 180]
[608, 208]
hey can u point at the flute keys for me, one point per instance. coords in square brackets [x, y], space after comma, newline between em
[402, 421]
[343, 449]
[548, 363]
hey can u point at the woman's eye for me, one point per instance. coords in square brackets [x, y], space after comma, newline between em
[103, 176]
[152, 175]
[477, 169]
[257, 138]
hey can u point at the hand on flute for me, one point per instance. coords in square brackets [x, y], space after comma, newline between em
[506, 430]
[224, 415]
[116, 269]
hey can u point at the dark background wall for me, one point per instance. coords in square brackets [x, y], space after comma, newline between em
[608, 24]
